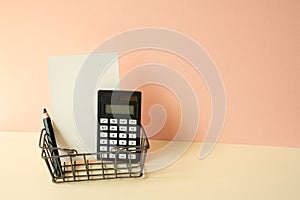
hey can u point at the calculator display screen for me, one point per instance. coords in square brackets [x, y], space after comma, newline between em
[119, 109]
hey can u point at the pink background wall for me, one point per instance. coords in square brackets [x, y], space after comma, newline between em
[255, 44]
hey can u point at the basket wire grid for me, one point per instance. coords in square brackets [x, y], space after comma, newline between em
[71, 166]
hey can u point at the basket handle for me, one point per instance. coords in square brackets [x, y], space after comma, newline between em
[69, 152]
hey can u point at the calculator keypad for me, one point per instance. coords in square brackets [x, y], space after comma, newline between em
[118, 132]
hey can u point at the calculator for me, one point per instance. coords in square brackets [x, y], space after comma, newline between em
[119, 125]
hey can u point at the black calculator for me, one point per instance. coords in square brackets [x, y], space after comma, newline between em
[119, 125]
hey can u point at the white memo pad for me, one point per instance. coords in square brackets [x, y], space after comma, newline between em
[62, 72]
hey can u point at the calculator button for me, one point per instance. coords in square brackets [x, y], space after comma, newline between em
[103, 148]
[113, 128]
[104, 155]
[111, 155]
[113, 121]
[103, 134]
[131, 149]
[112, 141]
[123, 121]
[122, 156]
[132, 135]
[132, 156]
[103, 141]
[132, 128]
[103, 120]
[122, 135]
[122, 142]
[113, 135]
[112, 149]
[132, 121]
[123, 128]
[132, 142]
[103, 128]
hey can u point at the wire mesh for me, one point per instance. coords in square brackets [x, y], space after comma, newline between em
[71, 166]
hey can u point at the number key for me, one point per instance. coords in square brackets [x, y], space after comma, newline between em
[103, 134]
[122, 142]
[132, 142]
[132, 128]
[113, 135]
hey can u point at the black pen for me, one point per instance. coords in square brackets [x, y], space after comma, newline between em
[52, 143]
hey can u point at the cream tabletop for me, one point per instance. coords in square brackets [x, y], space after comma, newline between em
[229, 172]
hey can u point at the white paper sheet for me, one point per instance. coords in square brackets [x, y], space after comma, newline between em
[63, 71]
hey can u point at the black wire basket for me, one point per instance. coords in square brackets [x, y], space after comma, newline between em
[70, 166]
